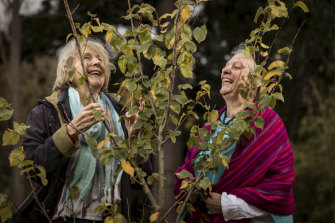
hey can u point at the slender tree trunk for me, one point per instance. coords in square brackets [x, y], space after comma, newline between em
[172, 151]
[14, 81]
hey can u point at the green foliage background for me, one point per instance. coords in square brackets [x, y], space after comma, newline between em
[308, 111]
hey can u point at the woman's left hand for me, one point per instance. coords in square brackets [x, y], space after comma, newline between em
[213, 203]
[132, 119]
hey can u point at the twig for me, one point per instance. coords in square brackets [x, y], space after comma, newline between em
[37, 201]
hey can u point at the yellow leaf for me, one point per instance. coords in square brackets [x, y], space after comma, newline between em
[271, 87]
[277, 63]
[68, 36]
[213, 115]
[109, 34]
[271, 74]
[153, 94]
[109, 219]
[184, 15]
[184, 184]
[126, 166]
[264, 53]
[102, 143]
[165, 25]
[264, 46]
[154, 217]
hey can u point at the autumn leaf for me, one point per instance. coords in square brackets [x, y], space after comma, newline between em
[126, 166]
[16, 156]
[154, 217]
[102, 143]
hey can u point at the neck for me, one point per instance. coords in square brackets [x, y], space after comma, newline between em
[234, 105]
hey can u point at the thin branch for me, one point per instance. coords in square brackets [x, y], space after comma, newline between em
[37, 201]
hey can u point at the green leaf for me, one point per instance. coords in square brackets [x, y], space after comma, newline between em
[122, 64]
[72, 72]
[145, 36]
[42, 174]
[175, 107]
[259, 12]
[6, 114]
[20, 128]
[160, 61]
[159, 38]
[302, 5]
[259, 122]
[185, 86]
[16, 156]
[74, 192]
[151, 51]
[144, 47]
[190, 46]
[200, 33]
[244, 114]
[205, 183]
[97, 114]
[91, 15]
[278, 96]
[6, 212]
[284, 49]
[97, 29]
[81, 80]
[184, 174]
[131, 85]
[181, 99]
[278, 11]
[91, 141]
[213, 116]
[10, 137]
[186, 69]
[265, 102]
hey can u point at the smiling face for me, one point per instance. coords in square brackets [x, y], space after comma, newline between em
[95, 66]
[235, 75]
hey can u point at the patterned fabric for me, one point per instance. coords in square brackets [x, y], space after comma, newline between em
[260, 171]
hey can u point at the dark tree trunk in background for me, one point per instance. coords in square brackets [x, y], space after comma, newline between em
[14, 81]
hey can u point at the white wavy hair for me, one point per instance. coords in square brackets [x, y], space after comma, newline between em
[68, 55]
[240, 50]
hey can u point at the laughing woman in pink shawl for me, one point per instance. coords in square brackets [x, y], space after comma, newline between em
[257, 186]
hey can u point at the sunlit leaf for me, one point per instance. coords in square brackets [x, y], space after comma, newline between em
[259, 12]
[10, 137]
[102, 143]
[200, 33]
[126, 166]
[184, 174]
[278, 96]
[154, 217]
[20, 128]
[186, 69]
[16, 156]
[131, 85]
[284, 49]
[271, 74]
[277, 63]
[109, 219]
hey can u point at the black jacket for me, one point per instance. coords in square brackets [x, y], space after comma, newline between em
[40, 147]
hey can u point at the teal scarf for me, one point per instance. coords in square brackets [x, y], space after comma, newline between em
[85, 167]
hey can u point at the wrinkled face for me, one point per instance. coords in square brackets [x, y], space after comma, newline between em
[235, 75]
[95, 66]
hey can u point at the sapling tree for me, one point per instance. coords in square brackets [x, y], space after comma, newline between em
[169, 41]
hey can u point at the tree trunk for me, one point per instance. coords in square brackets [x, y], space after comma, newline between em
[13, 77]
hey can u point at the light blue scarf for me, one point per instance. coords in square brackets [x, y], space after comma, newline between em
[85, 167]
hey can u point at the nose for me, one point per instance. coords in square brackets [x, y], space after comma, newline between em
[96, 61]
[225, 70]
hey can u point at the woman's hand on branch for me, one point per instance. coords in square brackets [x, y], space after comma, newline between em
[213, 203]
[132, 119]
[84, 120]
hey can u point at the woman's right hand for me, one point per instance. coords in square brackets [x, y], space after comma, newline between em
[84, 120]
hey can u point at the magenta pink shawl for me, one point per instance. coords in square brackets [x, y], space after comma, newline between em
[260, 171]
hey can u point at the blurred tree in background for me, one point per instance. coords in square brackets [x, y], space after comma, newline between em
[308, 111]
